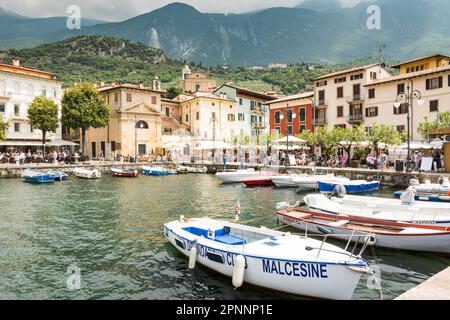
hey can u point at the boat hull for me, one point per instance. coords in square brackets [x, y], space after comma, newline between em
[282, 275]
[284, 182]
[426, 197]
[39, 179]
[328, 187]
[87, 174]
[125, 174]
[237, 177]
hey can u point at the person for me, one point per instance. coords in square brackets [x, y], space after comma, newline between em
[436, 160]
[224, 161]
[383, 160]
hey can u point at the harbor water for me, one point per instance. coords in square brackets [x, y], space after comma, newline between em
[112, 230]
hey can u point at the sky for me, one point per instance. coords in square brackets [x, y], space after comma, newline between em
[118, 10]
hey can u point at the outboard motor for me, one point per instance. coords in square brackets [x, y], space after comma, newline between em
[339, 191]
[445, 182]
[408, 197]
[414, 182]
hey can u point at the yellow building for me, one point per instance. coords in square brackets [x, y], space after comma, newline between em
[196, 82]
[135, 123]
[424, 63]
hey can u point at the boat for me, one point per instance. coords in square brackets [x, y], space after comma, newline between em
[262, 180]
[37, 176]
[284, 181]
[267, 258]
[173, 171]
[84, 173]
[124, 173]
[352, 186]
[425, 213]
[237, 176]
[155, 170]
[381, 233]
[59, 175]
[312, 182]
[426, 197]
[434, 188]
[185, 169]
[147, 170]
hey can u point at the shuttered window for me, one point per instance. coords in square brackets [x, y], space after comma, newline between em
[434, 83]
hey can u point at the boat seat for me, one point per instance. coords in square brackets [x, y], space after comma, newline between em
[339, 223]
[231, 240]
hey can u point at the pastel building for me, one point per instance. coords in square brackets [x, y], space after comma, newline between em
[19, 86]
[196, 82]
[341, 97]
[292, 115]
[432, 81]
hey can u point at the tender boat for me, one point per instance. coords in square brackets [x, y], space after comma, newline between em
[312, 182]
[428, 187]
[124, 173]
[36, 176]
[237, 176]
[59, 175]
[427, 197]
[268, 258]
[381, 209]
[353, 186]
[84, 173]
[381, 233]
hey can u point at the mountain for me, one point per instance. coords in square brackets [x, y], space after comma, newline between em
[316, 30]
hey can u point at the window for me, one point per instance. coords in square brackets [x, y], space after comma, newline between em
[197, 115]
[357, 76]
[32, 129]
[277, 117]
[302, 112]
[94, 149]
[16, 127]
[372, 112]
[402, 109]
[187, 118]
[400, 129]
[16, 110]
[302, 128]
[113, 146]
[240, 102]
[142, 125]
[322, 97]
[401, 88]
[154, 100]
[371, 93]
[231, 117]
[116, 97]
[241, 117]
[321, 83]
[357, 91]
[197, 87]
[289, 130]
[407, 70]
[129, 97]
[2, 107]
[449, 79]
[252, 105]
[277, 130]
[340, 92]
[340, 111]
[167, 112]
[289, 116]
[434, 83]
[340, 80]
[44, 93]
[434, 106]
[373, 76]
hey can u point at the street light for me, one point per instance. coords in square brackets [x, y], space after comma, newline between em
[407, 98]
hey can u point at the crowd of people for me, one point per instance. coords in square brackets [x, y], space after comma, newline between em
[21, 157]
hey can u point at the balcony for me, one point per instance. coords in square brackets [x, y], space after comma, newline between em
[259, 110]
[320, 121]
[259, 126]
[5, 95]
[355, 98]
[355, 118]
[322, 103]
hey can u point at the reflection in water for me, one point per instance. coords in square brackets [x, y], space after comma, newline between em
[112, 229]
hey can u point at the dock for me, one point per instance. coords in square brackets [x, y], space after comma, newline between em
[435, 288]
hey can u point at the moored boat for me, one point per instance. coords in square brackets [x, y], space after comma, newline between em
[37, 176]
[59, 175]
[426, 197]
[352, 186]
[261, 181]
[186, 169]
[381, 233]
[155, 171]
[381, 209]
[268, 258]
[432, 188]
[147, 170]
[237, 176]
[284, 181]
[124, 173]
[84, 173]
[312, 182]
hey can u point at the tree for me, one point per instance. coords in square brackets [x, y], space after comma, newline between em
[387, 134]
[43, 115]
[82, 108]
[173, 92]
[324, 138]
[442, 122]
[351, 137]
[3, 129]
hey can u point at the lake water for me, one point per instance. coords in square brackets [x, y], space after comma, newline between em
[112, 229]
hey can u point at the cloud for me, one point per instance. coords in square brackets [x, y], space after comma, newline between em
[117, 10]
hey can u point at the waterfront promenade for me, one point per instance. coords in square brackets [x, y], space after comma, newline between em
[388, 177]
[435, 288]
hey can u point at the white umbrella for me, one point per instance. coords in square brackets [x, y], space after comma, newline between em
[290, 140]
[279, 147]
[414, 146]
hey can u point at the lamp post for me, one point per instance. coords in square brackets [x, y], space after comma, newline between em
[407, 98]
[294, 115]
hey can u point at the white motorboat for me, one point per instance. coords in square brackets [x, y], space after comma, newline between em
[311, 182]
[428, 187]
[381, 233]
[84, 173]
[186, 169]
[268, 258]
[380, 208]
[237, 176]
[285, 181]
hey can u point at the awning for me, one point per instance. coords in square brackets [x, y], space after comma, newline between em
[290, 140]
[61, 143]
[211, 145]
[55, 143]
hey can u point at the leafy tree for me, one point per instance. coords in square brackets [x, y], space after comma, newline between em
[43, 115]
[351, 137]
[384, 133]
[442, 122]
[324, 138]
[3, 129]
[83, 107]
[173, 92]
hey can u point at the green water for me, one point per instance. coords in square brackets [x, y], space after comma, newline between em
[112, 229]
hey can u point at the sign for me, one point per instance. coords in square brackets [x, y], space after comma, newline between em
[427, 164]
[292, 160]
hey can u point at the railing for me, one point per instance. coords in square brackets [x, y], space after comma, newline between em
[320, 121]
[355, 118]
[6, 95]
[355, 97]
[322, 102]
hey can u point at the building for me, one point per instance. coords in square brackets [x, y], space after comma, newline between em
[196, 82]
[432, 81]
[19, 86]
[252, 110]
[136, 120]
[340, 97]
[292, 115]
